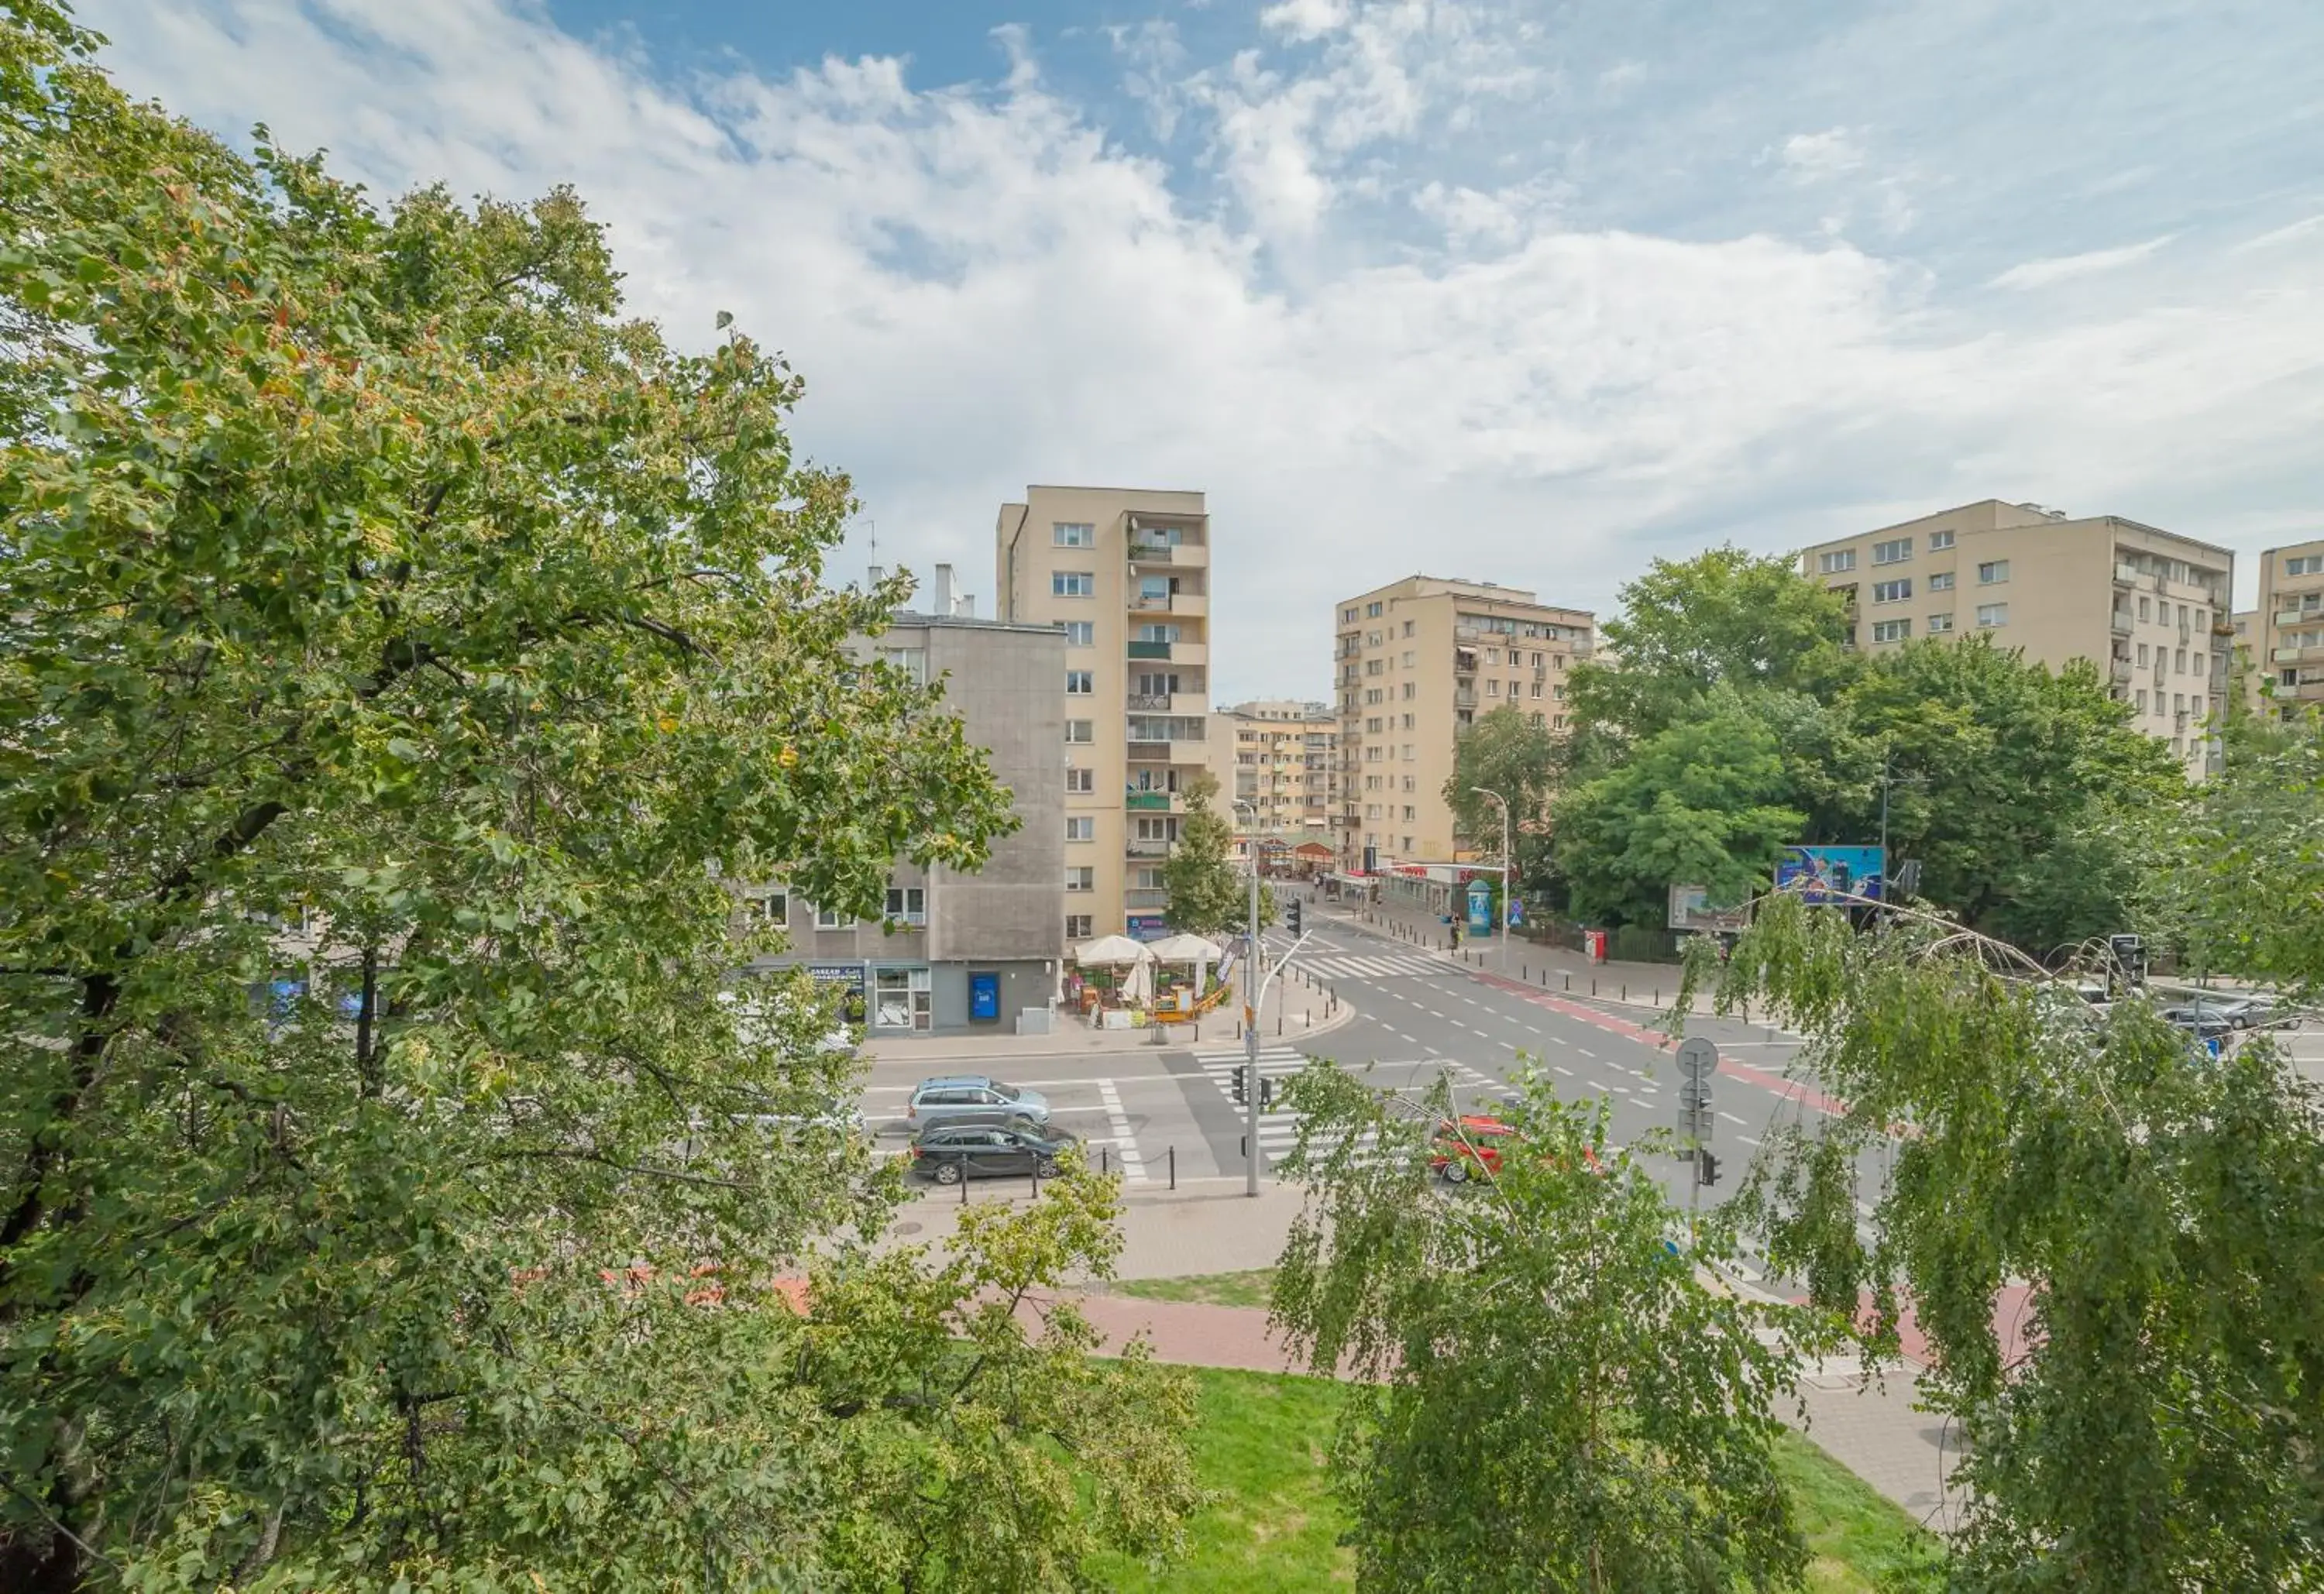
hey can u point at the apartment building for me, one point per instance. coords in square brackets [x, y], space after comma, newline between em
[2286, 636]
[953, 949]
[1414, 664]
[1282, 757]
[1124, 573]
[2151, 609]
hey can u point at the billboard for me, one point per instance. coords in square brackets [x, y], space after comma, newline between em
[1833, 874]
[1691, 909]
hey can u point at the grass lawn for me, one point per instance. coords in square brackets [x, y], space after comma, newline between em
[1261, 1445]
[1210, 1289]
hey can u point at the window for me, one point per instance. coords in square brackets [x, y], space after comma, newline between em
[1069, 534]
[1078, 927]
[1832, 564]
[2141, 700]
[2179, 703]
[2145, 609]
[1891, 630]
[1081, 780]
[1407, 628]
[1073, 584]
[1492, 656]
[1940, 540]
[901, 998]
[2304, 565]
[1940, 581]
[1408, 817]
[1891, 592]
[1993, 572]
[1894, 551]
[1407, 658]
[1373, 666]
[2142, 660]
[1371, 811]
[774, 907]
[1347, 616]
[1537, 688]
[912, 661]
[830, 919]
[1407, 721]
[1081, 729]
[1372, 726]
[1411, 690]
[1080, 683]
[1372, 612]
[909, 904]
[1081, 633]
[1989, 615]
[1373, 694]
[1081, 827]
[1157, 633]
[1081, 878]
[2179, 662]
[1492, 689]
[1940, 623]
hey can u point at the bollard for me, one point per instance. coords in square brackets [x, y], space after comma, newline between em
[964, 1187]
[1279, 1022]
[1569, 981]
[1593, 985]
[1238, 1030]
[1105, 1161]
[1037, 1181]
[1174, 1167]
[1626, 990]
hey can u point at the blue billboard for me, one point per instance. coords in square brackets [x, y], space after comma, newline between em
[1481, 908]
[1833, 874]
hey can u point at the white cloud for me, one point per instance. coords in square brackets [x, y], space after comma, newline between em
[1812, 157]
[984, 287]
[2063, 268]
[1306, 19]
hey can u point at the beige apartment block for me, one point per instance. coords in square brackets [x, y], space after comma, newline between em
[2287, 629]
[2150, 608]
[1281, 758]
[1126, 573]
[1414, 663]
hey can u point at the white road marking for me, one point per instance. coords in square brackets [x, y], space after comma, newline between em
[1563, 1069]
[1133, 1166]
[1586, 1052]
[1730, 1118]
[1747, 1139]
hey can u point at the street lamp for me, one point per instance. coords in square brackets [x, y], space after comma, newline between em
[1253, 994]
[1508, 874]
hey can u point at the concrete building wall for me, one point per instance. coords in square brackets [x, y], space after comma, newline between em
[2148, 607]
[1414, 663]
[2287, 631]
[1146, 556]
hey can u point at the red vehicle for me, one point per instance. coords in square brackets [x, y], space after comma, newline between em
[1472, 1144]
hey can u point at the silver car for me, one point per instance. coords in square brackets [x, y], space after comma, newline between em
[975, 1098]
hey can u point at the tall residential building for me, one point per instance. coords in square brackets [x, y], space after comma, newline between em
[959, 949]
[2150, 608]
[1414, 663]
[1125, 573]
[2287, 630]
[1283, 759]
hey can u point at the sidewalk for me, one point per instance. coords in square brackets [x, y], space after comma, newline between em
[1556, 969]
[1295, 1008]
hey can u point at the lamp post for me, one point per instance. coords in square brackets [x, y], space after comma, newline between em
[1253, 994]
[1509, 873]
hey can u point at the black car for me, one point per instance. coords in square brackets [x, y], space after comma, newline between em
[949, 1153]
[2203, 1021]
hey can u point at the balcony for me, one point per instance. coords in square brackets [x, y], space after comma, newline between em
[1146, 847]
[1145, 898]
[1153, 651]
[2120, 624]
[1464, 700]
[1176, 602]
[2125, 576]
[1158, 701]
[1167, 752]
[1151, 802]
[2122, 670]
[2287, 617]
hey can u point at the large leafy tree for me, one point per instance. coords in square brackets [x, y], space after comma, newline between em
[1508, 754]
[1549, 1398]
[1702, 802]
[1208, 896]
[2159, 1428]
[389, 623]
[1724, 617]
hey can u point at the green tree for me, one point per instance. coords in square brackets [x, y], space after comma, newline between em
[395, 632]
[1723, 618]
[1508, 754]
[1208, 894]
[1547, 1398]
[2021, 791]
[1702, 802]
[2160, 1428]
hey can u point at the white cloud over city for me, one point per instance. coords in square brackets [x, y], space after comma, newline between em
[1402, 285]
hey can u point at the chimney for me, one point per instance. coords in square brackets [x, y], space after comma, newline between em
[967, 607]
[879, 574]
[943, 604]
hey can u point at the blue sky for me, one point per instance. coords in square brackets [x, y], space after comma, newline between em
[1525, 292]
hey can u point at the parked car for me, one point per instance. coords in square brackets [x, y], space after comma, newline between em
[951, 1152]
[1472, 1144]
[2255, 1011]
[974, 1098]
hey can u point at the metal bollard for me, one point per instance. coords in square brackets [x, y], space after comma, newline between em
[1593, 985]
[1105, 1161]
[1174, 1167]
[1037, 1181]
[1569, 981]
[964, 1187]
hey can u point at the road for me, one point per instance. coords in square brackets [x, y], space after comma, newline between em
[1156, 1112]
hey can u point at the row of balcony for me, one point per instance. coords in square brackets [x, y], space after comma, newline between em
[1170, 652]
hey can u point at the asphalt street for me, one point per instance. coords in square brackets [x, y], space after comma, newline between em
[1167, 1111]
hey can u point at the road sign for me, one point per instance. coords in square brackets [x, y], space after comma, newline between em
[1698, 1059]
[1694, 1122]
[1694, 1093]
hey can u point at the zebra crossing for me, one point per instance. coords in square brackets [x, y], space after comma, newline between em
[1385, 965]
[1278, 1129]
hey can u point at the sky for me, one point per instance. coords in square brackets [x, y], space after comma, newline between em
[1525, 292]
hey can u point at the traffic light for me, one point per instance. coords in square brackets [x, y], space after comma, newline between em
[1706, 1168]
[1291, 915]
[1242, 1085]
[1267, 1095]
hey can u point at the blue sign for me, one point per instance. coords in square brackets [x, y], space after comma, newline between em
[1833, 874]
[1481, 908]
[984, 997]
[1516, 910]
[1148, 926]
